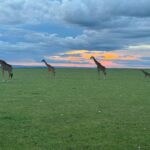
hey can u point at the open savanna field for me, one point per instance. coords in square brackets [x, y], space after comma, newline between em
[75, 111]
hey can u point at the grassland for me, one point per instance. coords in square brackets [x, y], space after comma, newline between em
[75, 111]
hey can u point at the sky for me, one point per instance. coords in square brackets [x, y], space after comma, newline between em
[67, 32]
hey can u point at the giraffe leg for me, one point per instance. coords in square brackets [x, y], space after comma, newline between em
[98, 70]
[9, 74]
[104, 72]
[54, 73]
[3, 75]
[51, 73]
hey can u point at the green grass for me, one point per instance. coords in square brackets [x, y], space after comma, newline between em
[75, 111]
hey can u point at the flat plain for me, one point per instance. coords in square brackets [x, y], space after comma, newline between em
[75, 110]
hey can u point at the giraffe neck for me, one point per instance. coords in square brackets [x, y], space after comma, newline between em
[96, 62]
[46, 63]
[146, 73]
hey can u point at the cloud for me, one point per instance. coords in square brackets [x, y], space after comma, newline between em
[134, 56]
[89, 13]
[106, 13]
[76, 52]
[26, 11]
[107, 26]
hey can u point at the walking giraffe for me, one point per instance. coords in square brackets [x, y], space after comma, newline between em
[6, 67]
[50, 68]
[100, 67]
[147, 74]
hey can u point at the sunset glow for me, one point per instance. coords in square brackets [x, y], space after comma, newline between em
[81, 58]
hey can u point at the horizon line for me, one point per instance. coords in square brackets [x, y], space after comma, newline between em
[90, 67]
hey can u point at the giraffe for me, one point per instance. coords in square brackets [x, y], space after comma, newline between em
[50, 68]
[100, 67]
[147, 74]
[6, 67]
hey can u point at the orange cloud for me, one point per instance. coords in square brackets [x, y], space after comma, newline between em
[110, 56]
[115, 56]
[129, 58]
[76, 52]
[110, 64]
[66, 58]
[75, 59]
[83, 56]
[88, 55]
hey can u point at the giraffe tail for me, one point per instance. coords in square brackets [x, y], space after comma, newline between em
[11, 75]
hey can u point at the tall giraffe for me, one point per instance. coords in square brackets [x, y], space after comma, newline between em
[100, 67]
[147, 74]
[6, 67]
[50, 68]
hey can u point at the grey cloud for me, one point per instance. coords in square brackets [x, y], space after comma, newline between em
[88, 13]
[107, 24]
[27, 11]
[105, 13]
[104, 40]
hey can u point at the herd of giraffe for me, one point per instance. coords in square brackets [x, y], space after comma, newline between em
[7, 67]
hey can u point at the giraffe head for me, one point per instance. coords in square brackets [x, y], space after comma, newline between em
[43, 60]
[91, 57]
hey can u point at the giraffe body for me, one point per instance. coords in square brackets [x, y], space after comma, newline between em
[147, 74]
[100, 67]
[6, 67]
[49, 67]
